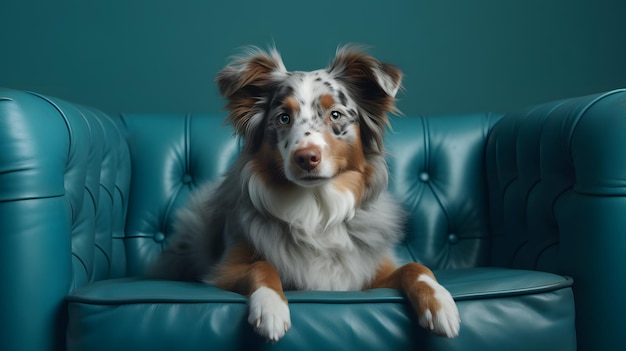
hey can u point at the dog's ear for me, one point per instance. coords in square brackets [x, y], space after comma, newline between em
[245, 83]
[372, 84]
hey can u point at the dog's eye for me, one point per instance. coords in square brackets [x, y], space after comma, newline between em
[283, 119]
[335, 116]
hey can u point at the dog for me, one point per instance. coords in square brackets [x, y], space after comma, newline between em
[305, 205]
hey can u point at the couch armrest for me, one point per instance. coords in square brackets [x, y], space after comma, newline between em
[557, 183]
[58, 211]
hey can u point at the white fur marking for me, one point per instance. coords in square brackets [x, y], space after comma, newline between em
[446, 320]
[269, 314]
[386, 82]
[309, 210]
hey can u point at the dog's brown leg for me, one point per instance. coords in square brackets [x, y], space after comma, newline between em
[243, 273]
[432, 302]
[258, 280]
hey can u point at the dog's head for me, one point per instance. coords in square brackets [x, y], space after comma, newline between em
[307, 128]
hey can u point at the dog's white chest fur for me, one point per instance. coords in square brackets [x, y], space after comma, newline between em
[305, 203]
[322, 242]
[316, 216]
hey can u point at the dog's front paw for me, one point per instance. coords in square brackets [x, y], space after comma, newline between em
[437, 310]
[269, 314]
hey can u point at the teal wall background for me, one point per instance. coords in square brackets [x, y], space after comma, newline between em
[458, 56]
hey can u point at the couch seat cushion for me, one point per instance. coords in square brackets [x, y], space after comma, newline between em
[501, 309]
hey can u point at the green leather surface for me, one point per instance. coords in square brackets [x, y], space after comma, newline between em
[87, 198]
[463, 284]
[448, 226]
[64, 178]
[531, 311]
[49, 184]
[557, 185]
[178, 153]
[437, 171]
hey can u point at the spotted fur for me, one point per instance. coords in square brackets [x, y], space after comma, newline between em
[305, 205]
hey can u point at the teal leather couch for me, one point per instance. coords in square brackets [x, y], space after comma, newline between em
[522, 216]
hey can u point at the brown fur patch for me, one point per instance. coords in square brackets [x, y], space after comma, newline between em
[358, 71]
[421, 295]
[243, 272]
[241, 113]
[256, 72]
[242, 83]
[267, 164]
[291, 104]
[353, 182]
[352, 168]
[326, 101]
[386, 268]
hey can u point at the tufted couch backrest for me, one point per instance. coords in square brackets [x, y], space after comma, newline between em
[85, 196]
[171, 156]
[556, 179]
[111, 184]
[436, 169]
[64, 186]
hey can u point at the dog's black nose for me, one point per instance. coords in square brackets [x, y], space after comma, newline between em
[307, 158]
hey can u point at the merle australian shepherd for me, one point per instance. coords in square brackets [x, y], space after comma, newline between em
[305, 205]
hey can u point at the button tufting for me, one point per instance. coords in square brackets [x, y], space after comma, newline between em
[453, 238]
[159, 237]
[424, 176]
[187, 178]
